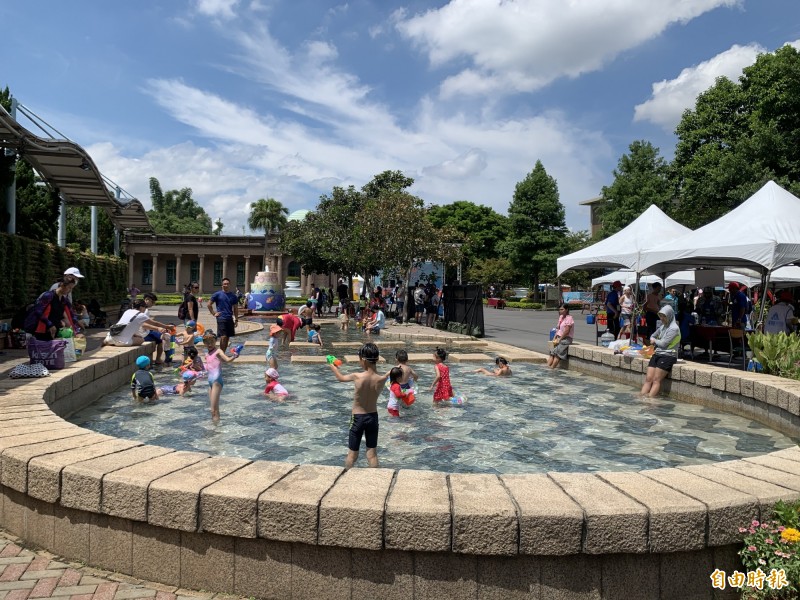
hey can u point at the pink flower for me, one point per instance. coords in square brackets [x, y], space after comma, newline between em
[752, 548]
[769, 541]
[755, 523]
[764, 526]
[781, 528]
[742, 529]
[751, 530]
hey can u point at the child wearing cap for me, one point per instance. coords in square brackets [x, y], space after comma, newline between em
[143, 385]
[179, 389]
[275, 333]
[273, 389]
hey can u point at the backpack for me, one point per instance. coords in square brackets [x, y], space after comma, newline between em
[182, 311]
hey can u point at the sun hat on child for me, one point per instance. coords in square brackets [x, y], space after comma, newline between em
[143, 362]
[272, 373]
[273, 329]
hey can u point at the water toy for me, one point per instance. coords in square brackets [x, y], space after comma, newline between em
[408, 398]
[332, 360]
[236, 350]
[458, 400]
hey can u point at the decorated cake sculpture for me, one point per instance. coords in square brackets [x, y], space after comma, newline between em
[265, 293]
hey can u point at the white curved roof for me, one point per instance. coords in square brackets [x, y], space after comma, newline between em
[298, 215]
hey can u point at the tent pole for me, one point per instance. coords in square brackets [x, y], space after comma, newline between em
[764, 283]
[635, 325]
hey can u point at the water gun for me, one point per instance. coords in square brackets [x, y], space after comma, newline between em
[237, 349]
[332, 360]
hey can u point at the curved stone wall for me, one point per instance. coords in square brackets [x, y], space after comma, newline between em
[279, 530]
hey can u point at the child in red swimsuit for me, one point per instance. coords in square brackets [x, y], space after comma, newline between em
[442, 390]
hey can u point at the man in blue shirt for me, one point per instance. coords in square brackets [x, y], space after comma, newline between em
[377, 322]
[224, 305]
[613, 308]
[739, 305]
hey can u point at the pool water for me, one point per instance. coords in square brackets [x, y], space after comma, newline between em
[536, 421]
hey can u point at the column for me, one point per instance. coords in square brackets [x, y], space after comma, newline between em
[303, 283]
[178, 285]
[202, 258]
[130, 269]
[281, 281]
[246, 273]
[155, 273]
[225, 266]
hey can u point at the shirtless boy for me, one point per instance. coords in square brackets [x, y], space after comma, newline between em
[364, 419]
[408, 373]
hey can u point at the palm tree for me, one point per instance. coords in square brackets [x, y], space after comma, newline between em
[267, 215]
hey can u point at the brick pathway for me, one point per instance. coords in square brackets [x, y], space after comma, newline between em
[27, 574]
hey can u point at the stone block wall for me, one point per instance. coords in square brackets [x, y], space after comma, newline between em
[279, 530]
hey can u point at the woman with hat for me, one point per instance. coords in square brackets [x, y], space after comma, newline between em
[613, 308]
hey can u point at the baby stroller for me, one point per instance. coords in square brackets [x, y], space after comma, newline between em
[98, 316]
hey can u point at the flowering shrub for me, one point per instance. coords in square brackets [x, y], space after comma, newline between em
[774, 544]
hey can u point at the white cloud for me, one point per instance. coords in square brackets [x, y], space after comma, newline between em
[222, 9]
[322, 127]
[469, 164]
[522, 45]
[671, 97]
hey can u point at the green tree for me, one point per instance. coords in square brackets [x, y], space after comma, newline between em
[640, 179]
[218, 225]
[578, 280]
[267, 215]
[537, 226]
[175, 211]
[738, 136]
[364, 231]
[480, 228]
[488, 271]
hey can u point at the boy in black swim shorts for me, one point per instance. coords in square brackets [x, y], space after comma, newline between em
[364, 418]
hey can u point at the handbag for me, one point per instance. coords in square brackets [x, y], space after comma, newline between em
[117, 329]
[47, 353]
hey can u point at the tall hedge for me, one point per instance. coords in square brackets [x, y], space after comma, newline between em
[29, 267]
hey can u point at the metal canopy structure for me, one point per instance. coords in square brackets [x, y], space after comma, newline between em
[68, 168]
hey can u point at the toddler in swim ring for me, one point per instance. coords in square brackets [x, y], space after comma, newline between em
[397, 394]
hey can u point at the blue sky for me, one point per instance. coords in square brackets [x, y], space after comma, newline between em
[248, 99]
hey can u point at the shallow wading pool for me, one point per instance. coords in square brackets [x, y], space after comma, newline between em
[535, 421]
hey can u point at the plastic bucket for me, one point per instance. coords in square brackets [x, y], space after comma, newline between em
[589, 320]
[553, 333]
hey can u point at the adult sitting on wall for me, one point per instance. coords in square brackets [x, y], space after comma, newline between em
[565, 331]
[666, 343]
[52, 311]
[126, 332]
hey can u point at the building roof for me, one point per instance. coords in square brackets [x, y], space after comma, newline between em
[298, 215]
[68, 168]
[591, 201]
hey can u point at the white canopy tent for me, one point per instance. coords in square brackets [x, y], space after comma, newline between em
[624, 249]
[762, 234]
[626, 277]
[688, 278]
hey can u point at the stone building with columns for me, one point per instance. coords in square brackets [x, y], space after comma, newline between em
[165, 263]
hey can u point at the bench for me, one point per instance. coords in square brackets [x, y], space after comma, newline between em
[496, 302]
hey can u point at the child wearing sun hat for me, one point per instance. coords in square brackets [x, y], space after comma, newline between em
[273, 389]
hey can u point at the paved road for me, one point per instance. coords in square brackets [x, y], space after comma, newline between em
[531, 328]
